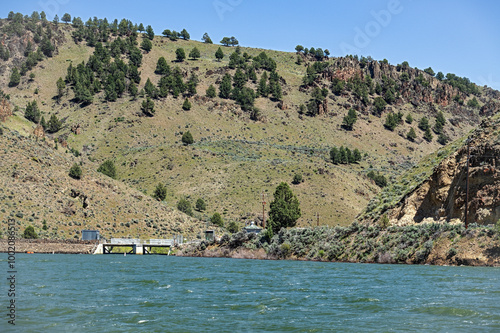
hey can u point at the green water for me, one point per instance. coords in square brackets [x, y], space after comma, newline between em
[113, 293]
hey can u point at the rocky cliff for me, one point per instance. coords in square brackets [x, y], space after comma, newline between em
[442, 197]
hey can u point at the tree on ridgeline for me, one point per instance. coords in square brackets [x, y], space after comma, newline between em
[206, 39]
[184, 34]
[66, 18]
[150, 33]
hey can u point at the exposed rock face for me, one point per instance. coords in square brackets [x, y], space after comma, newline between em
[443, 196]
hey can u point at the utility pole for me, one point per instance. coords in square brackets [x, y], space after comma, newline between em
[263, 210]
[467, 186]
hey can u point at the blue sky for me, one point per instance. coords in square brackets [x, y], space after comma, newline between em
[460, 37]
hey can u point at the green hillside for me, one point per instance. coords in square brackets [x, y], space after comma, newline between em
[242, 147]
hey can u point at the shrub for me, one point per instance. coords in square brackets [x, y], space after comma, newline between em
[297, 179]
[75, 171]
[187, 105]
[160, 192]
[216, 219]
[29, 233]
[187, 138]
[108, 168]
[200, 205]
[233, 227]
[185, 206]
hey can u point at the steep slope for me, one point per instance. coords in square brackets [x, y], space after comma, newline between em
[35, 189]
[441, 196]
[234, 159]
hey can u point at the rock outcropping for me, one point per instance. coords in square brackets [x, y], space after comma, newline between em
[443, 196]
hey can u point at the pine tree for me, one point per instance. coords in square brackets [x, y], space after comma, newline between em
[284, 209]
[263, 89]
[32, 113]
[206, 39]
[219, 54]
[162, 67]
[335, 155]
[60, 88]
[200, 205]
[211, 91]
[411, 135]
[349, 119]
[180, 54]
[146, 45]
[54, 124]
[225, 86]
[409, 118]
[356, 155]
[187, 138]
[195, 53]
[148, 107]
[184, 34]
[187, 105]
[216, 219]
[428, 135]
[149, 32]
[15, 77]
[423, 124]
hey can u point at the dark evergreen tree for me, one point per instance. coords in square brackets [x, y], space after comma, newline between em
[428, 135]
[148, 107]
[15, 77]
[356, 154]
[186, 105]
[335, 155]
[146, 45]
[30, 233]
[219, 54]
[66, 18]
[187, 138]
[54, 124]
[149, 32]
[162, 67]
[206, 38]
[43, 123]
[423, 124]
[216, 219]
[263, 89]
[185, 206]
[150, 89]
[211, 91]
[284, 209]
[411, 135]
[349, 119]
[108, 168]
[391, 121]
[60, 88]
[200, 205]
[32, 113]
[180, 54]
[160, 192]
[225, 86]
[195, 54]
[184, 34]
[409, 118]
[75, 171]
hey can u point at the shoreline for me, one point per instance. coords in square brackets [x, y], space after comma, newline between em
[49, 246]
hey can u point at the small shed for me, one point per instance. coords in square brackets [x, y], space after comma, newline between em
[252, 228]
[90, 235]
[209, 235]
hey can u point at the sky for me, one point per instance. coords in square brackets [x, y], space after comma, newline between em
[451, 36]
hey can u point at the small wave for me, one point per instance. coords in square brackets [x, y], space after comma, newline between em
[195, 279]
[446, 311]
[142, 321]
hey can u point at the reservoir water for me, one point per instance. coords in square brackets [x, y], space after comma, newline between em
[115, 293]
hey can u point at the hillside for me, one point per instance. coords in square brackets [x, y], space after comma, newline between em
[442, 196]
[241, 147]
[35, 189]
